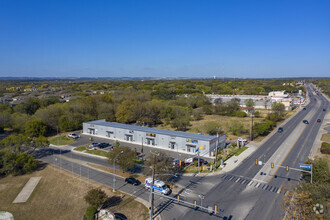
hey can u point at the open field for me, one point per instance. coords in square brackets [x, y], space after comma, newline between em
[224, 121]
[59, 195]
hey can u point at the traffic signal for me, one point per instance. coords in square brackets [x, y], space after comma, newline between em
[256, 161]
[287, 168]
[272, 165]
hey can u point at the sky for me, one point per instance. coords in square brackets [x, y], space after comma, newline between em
[169, 38]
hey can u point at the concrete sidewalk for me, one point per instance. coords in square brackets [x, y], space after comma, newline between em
[27, 190]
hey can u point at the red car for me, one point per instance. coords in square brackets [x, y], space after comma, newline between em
[318, 120]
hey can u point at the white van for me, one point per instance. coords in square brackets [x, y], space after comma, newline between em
[158, 186]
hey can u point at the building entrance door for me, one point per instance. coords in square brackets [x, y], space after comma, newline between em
[91, 130]
[191, 148]
[150, 141]
[129, 137]
[110, 134]
[172, 145]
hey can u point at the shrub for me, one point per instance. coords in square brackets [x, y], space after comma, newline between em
[263, 128]
[325, 148]
[95, 197]
[240, 114]
[90, 213]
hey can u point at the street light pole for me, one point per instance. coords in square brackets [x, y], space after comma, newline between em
[114, 172]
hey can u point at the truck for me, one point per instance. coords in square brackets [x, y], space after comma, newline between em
[159, 186]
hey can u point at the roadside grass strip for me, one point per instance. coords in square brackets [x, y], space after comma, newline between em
[27, 190]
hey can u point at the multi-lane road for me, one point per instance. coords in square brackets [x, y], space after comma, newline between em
[248, 192]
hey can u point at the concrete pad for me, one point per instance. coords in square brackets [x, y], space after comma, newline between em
[27, 190]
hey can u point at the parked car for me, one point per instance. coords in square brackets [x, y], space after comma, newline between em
[93, 146]
[201, 161]
[318, 120]
[304, 108]
[103, 145]
[132, 181]
[324, 109]
[305, 121]
[280, 130]
[176, 162]
[189, 160]
[73, 135]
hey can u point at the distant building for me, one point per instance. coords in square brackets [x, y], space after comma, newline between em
[279, 94]
[158, 138]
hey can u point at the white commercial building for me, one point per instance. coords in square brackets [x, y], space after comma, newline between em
[159, 138]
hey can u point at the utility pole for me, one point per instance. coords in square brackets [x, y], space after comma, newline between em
[216, 152]
[251, 131]
[151, 196]
[199, 170]
[114, 171]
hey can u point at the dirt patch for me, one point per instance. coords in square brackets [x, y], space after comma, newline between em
[118, 172]
[60, 195]
[326, 138]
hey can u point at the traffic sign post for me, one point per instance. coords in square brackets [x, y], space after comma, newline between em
[302, 167]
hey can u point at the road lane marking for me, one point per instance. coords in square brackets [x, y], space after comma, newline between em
[286, 156]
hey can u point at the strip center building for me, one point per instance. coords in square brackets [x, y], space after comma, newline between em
[178, 141]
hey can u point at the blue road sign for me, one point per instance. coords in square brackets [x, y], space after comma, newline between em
[304, 166]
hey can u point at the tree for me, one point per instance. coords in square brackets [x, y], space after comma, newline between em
[278, 109]
[21, 143]
[95, 197]
[17, 163]
[236, 127]
[161, 163]
[124, 156]
[249, 102]
[263, 128]
[298, 205]
[35, 127]
[212, 127]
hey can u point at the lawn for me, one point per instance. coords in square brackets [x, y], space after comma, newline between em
[94, 152]
[59, 195]
[81, 148]
[60, 139]
[98, 152]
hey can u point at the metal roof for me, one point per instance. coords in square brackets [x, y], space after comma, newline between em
[152, 130]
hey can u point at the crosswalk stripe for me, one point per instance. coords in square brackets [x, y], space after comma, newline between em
[237, 180]
[250, 183]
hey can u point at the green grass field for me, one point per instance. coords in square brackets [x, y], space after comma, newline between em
[61, 139]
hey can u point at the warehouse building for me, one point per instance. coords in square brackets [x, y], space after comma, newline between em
[164, 139]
